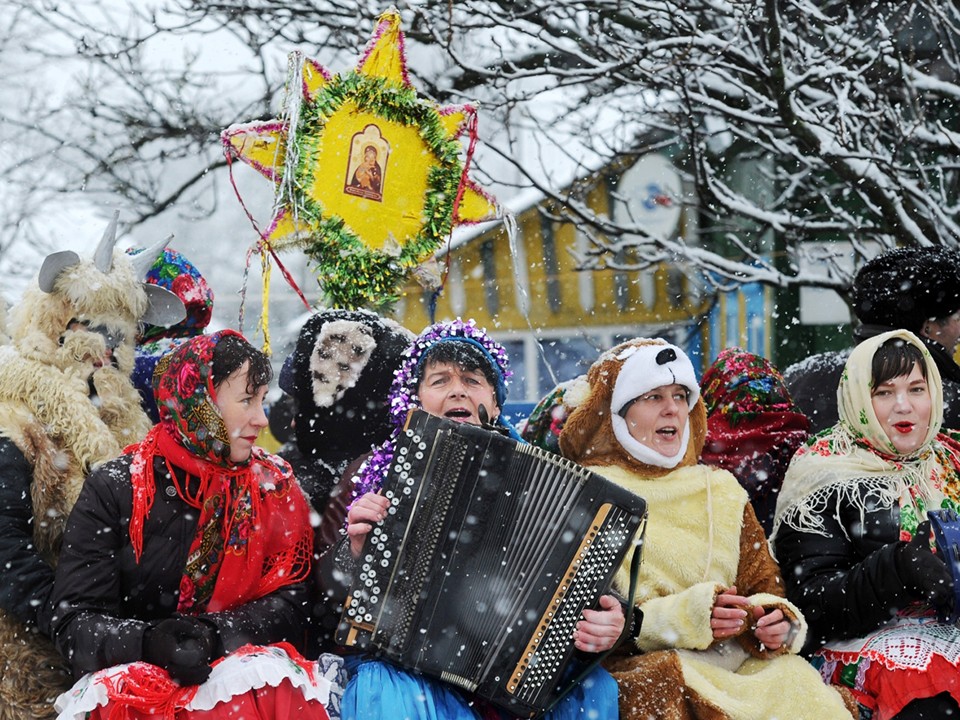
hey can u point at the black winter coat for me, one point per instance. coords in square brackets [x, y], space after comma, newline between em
[846, 583]
[316, 477]
[813, 383]
[28, 578]
[105, 599]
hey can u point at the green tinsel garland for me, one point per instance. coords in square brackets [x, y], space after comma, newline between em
[351, 274]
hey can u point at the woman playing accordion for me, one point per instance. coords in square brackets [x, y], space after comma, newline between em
[453, 370]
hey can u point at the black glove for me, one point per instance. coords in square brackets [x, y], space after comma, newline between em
[183, 646]
[924, 574]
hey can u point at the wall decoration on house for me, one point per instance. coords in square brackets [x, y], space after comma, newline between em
[651, 193]
[370, 177]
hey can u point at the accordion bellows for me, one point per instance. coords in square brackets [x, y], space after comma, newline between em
[489, 554]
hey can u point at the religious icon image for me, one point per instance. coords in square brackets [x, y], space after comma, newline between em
[368, 156]
[370, 177]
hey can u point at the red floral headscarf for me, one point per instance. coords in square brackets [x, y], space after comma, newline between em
[187, 400]
[753, 425]
[255, 510]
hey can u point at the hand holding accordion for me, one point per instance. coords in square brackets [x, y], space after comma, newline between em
[369, 509]
[490, 553]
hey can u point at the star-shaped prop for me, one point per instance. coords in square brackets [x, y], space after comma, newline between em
[370, 178]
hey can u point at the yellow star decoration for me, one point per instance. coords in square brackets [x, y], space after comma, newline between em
[370, 178]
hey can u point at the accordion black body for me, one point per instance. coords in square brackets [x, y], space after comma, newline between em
[490, 552]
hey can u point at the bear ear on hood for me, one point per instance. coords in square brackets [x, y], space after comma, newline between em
[587, 435]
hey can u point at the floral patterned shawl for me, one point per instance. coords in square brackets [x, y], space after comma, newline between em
[753, 426]
[254, 533]
[856, 454]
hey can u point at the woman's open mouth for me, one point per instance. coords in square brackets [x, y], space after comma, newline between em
[904, 427]
[459, 414]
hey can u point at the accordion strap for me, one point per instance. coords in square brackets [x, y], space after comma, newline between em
[589, 668]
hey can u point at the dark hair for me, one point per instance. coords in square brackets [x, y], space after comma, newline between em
[467, 357]
[895, 358]
[280, 417]
[231, 352]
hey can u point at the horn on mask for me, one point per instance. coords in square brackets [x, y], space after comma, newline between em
[144, 260]
[103, 256]
[164, 308]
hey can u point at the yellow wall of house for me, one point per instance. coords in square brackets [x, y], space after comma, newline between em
[470, 299]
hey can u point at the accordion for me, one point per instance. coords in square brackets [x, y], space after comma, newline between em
[490, 551]
[946, 532]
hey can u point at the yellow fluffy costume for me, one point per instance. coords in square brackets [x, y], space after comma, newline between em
[702, 537]
[64, 410]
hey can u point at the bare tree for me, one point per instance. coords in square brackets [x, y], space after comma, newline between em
[793, 120]
[24, 175]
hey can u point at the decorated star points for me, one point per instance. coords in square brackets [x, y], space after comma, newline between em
[370, 177]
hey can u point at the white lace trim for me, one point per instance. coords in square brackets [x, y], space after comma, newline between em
[906, 643]
[235, 675]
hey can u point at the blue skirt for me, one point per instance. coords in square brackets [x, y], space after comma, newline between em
[378, 689]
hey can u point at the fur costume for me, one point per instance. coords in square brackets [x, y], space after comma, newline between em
[704, 514]
[65, 414]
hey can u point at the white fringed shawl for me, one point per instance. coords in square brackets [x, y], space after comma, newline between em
[855, 459]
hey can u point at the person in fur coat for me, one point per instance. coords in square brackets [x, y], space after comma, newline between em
[718, 639]
[339, 376]
[66, 404]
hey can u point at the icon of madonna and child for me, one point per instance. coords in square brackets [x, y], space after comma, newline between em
[368, 156]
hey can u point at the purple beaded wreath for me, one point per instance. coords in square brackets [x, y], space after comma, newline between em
[403, 392]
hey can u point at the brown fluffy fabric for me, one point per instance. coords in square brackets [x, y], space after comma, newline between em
[759, 572]
[33, 675]
[651, 686]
